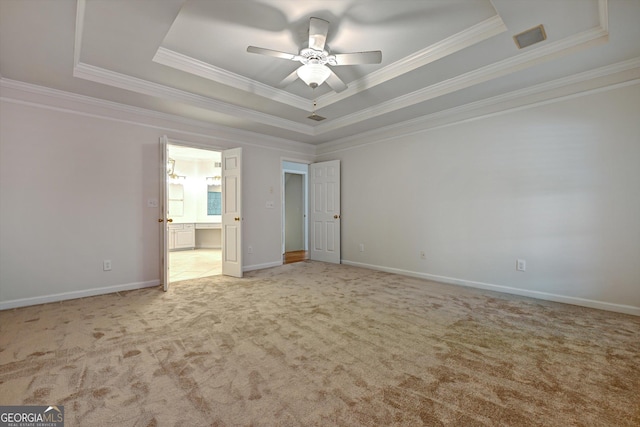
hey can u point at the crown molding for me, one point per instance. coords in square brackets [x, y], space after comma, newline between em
[450, 45]
[480, 75]
[167, 57]
[603, 14]
[468, 37]
[44, 97]
[123, 81]
[77, 45]
[196, 67]
[603, 78]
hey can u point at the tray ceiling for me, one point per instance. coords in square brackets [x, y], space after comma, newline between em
[189, 57]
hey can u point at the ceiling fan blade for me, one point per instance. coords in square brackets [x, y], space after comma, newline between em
[318, 29]
[335, 83]
[270, 52]
[371, 57]
[289, 79]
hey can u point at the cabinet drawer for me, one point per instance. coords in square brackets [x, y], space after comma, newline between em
[208, 225]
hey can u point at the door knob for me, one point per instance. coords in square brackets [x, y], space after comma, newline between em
[237, 218]
[336, 216]
[170, 220]
[160, 220]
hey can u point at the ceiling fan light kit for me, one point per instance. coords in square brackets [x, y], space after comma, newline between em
[313, 74]
[314, 70]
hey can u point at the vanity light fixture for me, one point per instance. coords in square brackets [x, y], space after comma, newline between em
[173, 177]
[214, 180]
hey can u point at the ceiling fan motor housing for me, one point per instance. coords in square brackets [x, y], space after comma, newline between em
[312, 56]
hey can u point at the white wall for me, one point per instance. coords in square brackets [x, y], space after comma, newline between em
[557, 185]
[75, 181]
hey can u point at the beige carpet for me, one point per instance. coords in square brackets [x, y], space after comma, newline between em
[313, 344]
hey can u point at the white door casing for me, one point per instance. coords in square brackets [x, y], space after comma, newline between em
[324, 211]
[305, 174]
[232, 212]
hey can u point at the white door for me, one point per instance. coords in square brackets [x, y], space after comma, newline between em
[164, 209]
[324, 211]
[232, 212]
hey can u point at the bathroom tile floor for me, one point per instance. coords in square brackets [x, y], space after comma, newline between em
[192, 264]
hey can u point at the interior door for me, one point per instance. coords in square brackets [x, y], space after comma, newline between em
[164, 209]
[232, 212]
[324, 211]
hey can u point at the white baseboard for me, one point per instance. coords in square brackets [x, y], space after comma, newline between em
[261, 266]
[602, 305]
[23, 302]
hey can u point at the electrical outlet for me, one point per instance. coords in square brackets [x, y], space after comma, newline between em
[423, 255]
[250, 249]
[521, 265]
[106, 265]
[361, 247]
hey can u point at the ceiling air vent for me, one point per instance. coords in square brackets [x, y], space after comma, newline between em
[529, 37]
[316, 117]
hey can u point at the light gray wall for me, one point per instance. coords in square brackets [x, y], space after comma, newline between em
[75, 183]
[557, 185]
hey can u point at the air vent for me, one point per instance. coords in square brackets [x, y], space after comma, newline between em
[316, 117]
[529, 37]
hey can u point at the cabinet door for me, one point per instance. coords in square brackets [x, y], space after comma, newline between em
[185, 238]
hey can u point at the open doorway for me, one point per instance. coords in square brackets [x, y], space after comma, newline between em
[194, 190]
[295, 244]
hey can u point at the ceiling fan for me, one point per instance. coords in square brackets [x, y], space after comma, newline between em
[315, 59]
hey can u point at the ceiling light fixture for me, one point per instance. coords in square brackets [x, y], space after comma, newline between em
[314, 74]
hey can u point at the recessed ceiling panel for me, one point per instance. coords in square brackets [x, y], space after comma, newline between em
[218, 33]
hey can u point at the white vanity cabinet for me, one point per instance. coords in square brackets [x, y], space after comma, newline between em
[182, 236]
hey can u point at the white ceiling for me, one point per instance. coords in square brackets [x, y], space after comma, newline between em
[188, 57]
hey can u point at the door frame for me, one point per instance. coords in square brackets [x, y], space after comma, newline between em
[305, 201]
[308, 205]
[165, 141]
